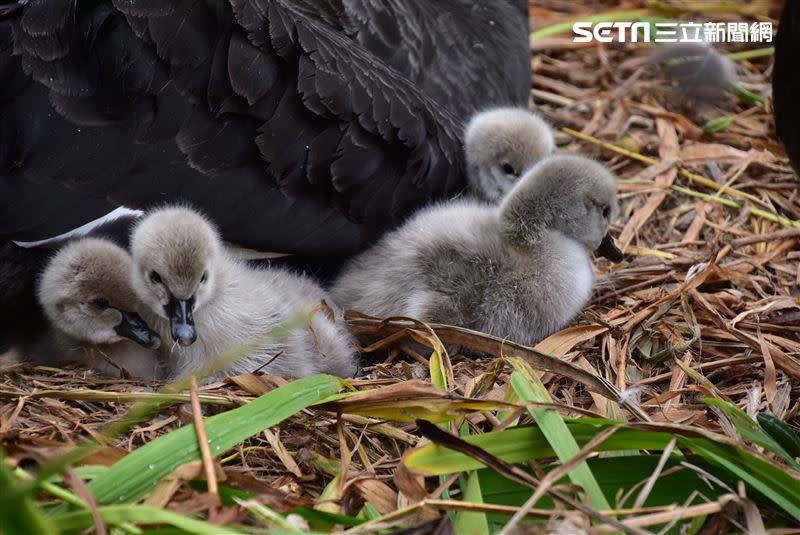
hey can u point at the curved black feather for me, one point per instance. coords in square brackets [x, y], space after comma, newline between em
[464, 54]
[281, 120]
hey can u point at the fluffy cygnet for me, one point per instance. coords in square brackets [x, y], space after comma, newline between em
[87, 296]
[207, 302]
[701, 73]
[519, 270]
[500, 145]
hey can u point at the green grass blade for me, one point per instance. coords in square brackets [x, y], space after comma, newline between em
[368, 512]
[116, 515]
[437, 368]
[751, 431]
[718, 124]
[616, 476]
[529, 388]
[520, 444]
[781, 432]
[746, 95]
[322, 520]
[136, 474]
[468, 522]
[770, 480]
[268, 515]
[19, 514]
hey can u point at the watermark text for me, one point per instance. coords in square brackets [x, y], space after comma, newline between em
[673, 32]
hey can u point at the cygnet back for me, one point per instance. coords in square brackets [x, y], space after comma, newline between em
[519, 270]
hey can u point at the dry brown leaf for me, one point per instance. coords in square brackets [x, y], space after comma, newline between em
[562, 342]
[410, 400]
[378, 493]
[257, 384]
[699, 153]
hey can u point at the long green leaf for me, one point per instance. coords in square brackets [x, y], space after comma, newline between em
[768, 479]
[781, 432]
[19, 514]
[136, 474]
[530, 388]
[140, 514]
[468, 522]
[751, 431]
[520, 444]
[616, 476]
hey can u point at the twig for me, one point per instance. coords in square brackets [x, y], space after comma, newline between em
[751, 54]
[771, 236]
[679, 513]
[202, 439]
[80, 488]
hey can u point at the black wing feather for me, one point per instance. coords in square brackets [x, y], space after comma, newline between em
[276, 118]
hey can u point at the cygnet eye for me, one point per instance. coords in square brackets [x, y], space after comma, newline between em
[204, 278]
[101, 303]
[155, 278]
[606, 212]
[508, 169]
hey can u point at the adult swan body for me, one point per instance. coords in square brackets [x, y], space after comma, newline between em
[301, 127]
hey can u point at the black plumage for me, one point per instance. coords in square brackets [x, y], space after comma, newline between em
[300, 127]
[786, 81]
[306, 127]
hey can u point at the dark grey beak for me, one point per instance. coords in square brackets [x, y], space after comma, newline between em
[609, 249]
[181, 321]
[135, 328]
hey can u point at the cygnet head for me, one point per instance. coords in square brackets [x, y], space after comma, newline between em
[176, 255]
[500, 145]
[86, 292]
[573, 195]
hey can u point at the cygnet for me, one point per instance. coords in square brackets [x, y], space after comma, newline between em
[519, 270]
[208, 302]
[87, 296]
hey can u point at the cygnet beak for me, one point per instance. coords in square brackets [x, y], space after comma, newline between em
[608, 249]
[181, 321]
[134, 327]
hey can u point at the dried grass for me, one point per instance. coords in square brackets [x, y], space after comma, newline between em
[706, 304]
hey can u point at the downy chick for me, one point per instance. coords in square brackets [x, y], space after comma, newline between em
[87, 296]
[701, 73]
[500, 145]
[519, 270]
[207, 302]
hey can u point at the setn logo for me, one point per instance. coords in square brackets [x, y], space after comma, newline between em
[605, 32]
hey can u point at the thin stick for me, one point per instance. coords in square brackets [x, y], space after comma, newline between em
[761, 238]
[676, 514]
[751, 54]
[202, 439]
[80, 488]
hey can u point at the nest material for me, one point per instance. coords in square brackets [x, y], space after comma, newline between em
[710, 289]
